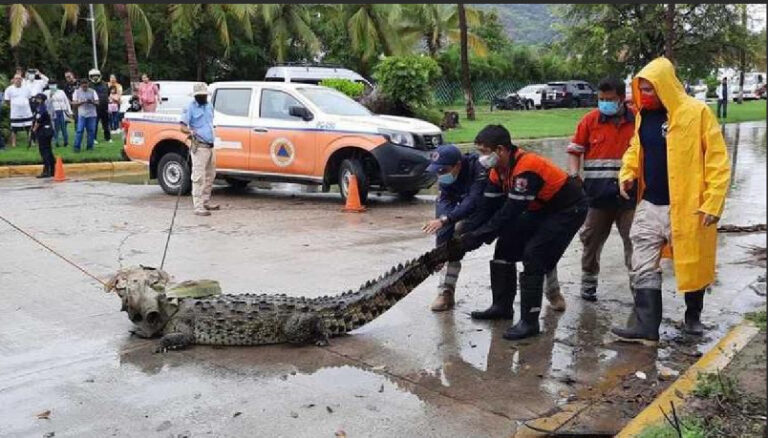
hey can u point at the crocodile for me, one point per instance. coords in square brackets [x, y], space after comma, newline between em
[159, 308]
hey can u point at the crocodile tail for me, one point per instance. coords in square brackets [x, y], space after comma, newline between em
[353, 309]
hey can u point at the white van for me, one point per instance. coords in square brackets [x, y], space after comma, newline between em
[310, 74]
[752, 83]
[174, 96]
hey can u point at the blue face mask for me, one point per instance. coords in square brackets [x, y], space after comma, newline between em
[608, 107]
[446, 178]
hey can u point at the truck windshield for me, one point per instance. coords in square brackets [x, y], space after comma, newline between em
[333, 102]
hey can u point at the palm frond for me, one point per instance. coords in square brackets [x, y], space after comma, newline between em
[18, 18]
[102, 29]
[137, 16]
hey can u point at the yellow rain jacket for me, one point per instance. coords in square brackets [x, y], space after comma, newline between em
[698, 172]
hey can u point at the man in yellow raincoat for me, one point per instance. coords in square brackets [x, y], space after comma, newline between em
[678, 159]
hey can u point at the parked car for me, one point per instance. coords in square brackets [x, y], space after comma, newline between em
[508, 101]
[312, 74]
[531, 95]
[288, 132]
[753, 82]
[568, 94]
[174, 96]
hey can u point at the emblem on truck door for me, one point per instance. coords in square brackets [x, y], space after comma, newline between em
[282, 152]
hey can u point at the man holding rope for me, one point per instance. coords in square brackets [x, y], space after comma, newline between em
[197, 121]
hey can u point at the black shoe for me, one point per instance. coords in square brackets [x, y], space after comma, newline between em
[644, 324]
[531, 291]
[694, 303]
[503, 288]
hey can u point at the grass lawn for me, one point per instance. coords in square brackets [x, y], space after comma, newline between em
[101, 152]
[562, 122]
[522, 125]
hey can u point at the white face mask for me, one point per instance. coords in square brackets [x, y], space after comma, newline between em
[489, 161]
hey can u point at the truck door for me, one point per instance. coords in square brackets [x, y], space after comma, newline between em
[282, 143]
[232, 126]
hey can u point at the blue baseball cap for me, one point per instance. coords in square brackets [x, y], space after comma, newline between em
[443, 157]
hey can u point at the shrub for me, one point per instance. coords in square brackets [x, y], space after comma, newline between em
[350, 88]
[5, 112]
[407, 79]
[429, 114]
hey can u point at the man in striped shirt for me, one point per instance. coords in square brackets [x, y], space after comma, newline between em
[600, 140]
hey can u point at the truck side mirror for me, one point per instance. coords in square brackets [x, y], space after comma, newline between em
[300, 111]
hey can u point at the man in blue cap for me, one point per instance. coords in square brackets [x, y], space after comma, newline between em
[461, 180]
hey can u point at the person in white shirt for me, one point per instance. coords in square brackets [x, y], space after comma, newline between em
[722, 99]
[18, 97]
[61, 111]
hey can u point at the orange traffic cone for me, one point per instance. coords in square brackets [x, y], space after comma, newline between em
[58, 174]
[353, 197]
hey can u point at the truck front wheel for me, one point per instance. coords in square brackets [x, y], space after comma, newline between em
[349, 167]
[174, 174]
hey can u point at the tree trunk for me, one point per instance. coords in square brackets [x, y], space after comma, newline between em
[669, 32]
[465, 64]
[130, 48]
[742, 56]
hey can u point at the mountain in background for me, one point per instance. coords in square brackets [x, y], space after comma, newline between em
[526, 24]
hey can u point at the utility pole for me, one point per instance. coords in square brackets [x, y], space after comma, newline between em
[93, 35]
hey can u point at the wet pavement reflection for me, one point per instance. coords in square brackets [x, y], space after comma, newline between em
[66, 347]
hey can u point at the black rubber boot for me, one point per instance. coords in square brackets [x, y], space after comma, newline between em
[503, 288]
[644, 324]
[531, 291]
[694, 303]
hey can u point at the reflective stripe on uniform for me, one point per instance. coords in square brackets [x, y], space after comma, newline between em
[517, 197]
[603, 162]
[492, 195]
[590, 174]
[575, 147]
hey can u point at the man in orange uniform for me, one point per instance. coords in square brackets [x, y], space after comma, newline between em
[601, 138]
[535, 209]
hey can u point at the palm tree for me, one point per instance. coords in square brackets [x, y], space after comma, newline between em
[372, 29]
[128, 15]
[21, 16]
[288, 24]
[438, 24]
[465, 63]
[189, 18]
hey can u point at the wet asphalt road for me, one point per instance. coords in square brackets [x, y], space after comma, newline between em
[65, 347]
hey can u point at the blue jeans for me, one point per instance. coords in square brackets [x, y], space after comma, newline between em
[60, 125]
[114, 121]
[89, 124]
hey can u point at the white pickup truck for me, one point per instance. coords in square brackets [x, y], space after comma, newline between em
[290, 132]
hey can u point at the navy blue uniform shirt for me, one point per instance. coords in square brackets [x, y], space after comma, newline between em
[653, 139]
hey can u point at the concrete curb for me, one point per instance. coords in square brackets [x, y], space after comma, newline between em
[715, 359]
[74, 168]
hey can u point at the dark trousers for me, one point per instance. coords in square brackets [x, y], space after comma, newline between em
[103, 116]
[540, 239]
[44, 144]
[722, 104]
[596, 229]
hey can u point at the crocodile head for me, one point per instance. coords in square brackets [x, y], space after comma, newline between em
[142, 291]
